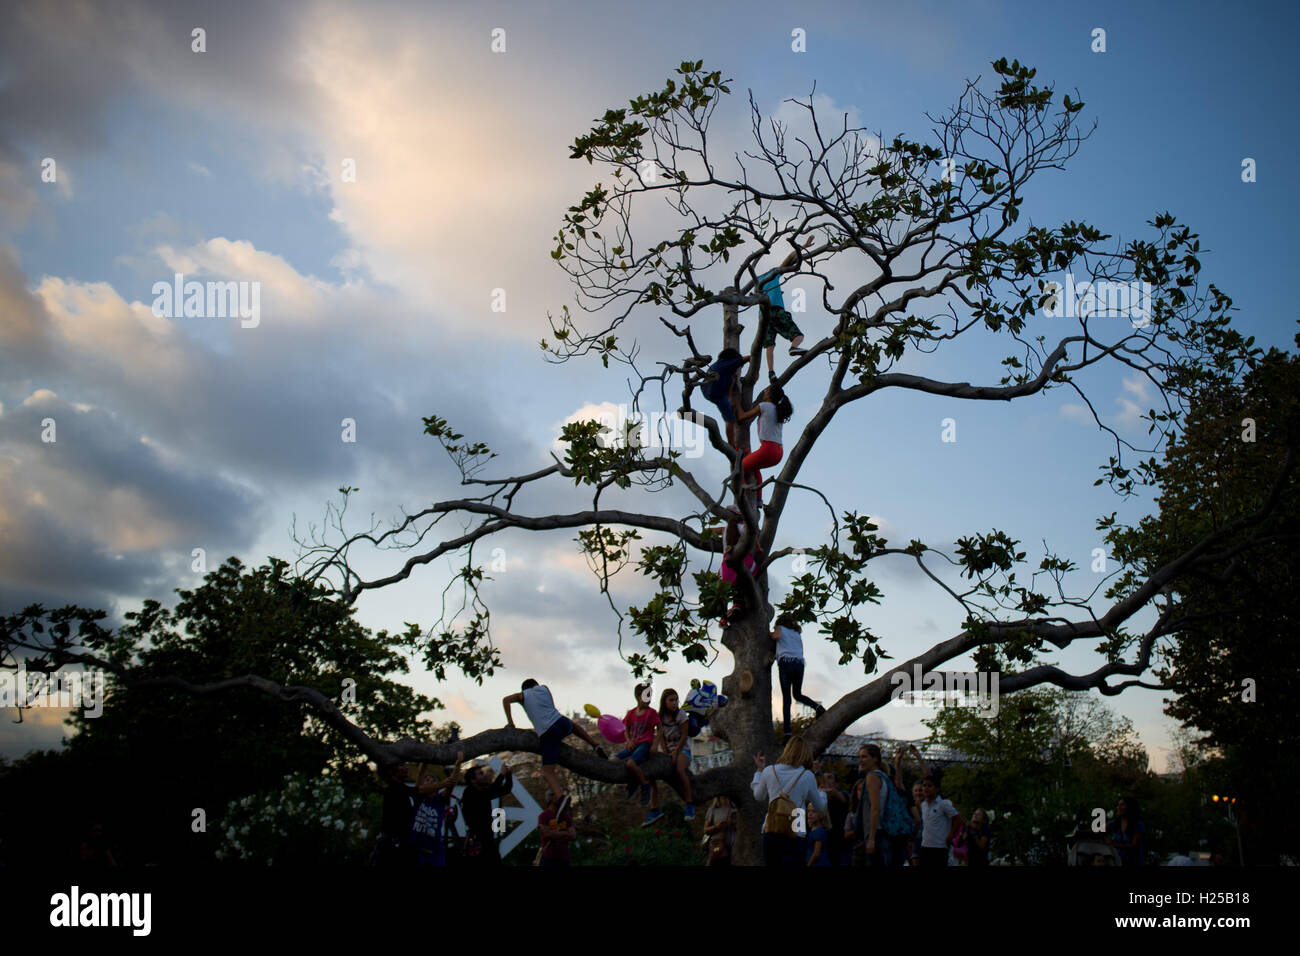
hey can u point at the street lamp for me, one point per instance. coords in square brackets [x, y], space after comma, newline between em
[1229, 802]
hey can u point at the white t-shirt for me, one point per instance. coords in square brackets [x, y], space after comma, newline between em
[936, 822]
[789, 644]
[540, 708]
[674, 729]
[770, 782]
[769, 426]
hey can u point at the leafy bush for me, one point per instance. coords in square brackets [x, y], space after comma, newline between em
[311, 819]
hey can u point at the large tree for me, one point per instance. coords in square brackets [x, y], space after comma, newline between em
[927, 245]
[1237, 653]
[931, 234]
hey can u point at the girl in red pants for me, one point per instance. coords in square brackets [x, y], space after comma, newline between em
[773, 410]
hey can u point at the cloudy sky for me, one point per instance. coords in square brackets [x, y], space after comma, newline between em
[377, 295]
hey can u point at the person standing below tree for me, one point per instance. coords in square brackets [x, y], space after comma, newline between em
[400, 798]
[427, 837]
[979, 838]
[866, 824]
[476, 804]
[790, 667]
[819, 840]
[557, 834]
[837, 809]
[939, 819]
[720, 828]
[786, 789]
[1128, 833]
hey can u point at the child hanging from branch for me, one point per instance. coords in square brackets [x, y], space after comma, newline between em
[723, 390]
[779, 321]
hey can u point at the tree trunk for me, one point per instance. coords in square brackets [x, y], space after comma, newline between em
[746, 723]
[730, 322]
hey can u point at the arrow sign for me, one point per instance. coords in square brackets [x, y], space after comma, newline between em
[526, 815]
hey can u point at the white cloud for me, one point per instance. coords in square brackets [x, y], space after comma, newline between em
[42, 396]
[1077, 413]
[1137, 385]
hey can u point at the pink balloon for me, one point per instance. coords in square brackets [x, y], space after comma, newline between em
[611, 728]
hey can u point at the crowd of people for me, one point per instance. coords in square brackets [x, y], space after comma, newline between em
[419, 820]
[810, 819]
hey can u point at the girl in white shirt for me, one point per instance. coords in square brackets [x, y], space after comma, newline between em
[790, 667]
[773, 410]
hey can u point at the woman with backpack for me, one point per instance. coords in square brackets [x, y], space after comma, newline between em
[880, 821]
[787, 788]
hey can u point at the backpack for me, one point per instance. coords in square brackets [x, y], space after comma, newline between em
[780, 812]
[894, 818]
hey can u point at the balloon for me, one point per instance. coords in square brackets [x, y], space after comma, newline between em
[592, 711]
[611, 728]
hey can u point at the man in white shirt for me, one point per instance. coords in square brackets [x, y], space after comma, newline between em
[939, 819]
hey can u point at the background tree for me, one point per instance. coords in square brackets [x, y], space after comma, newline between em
[1236, 652]
[1049, 759]
[195, 714]
[1042, 763]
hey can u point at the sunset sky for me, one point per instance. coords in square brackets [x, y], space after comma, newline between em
[376, 295]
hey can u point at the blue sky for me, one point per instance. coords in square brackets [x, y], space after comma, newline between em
[197, 433]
